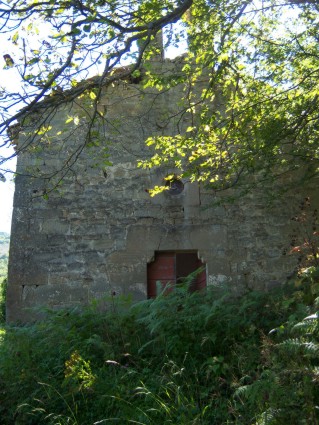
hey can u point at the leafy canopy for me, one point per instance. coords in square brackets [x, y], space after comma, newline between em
[259, 61]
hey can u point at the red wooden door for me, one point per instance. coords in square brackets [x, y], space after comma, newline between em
[173, 267]
[201, 277]
[161, 269]
[187, 263]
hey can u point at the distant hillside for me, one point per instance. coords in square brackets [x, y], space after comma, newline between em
[4, 253]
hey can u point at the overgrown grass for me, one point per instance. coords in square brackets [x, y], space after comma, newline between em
[202, 358]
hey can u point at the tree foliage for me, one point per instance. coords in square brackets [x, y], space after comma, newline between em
[260, 61]
[263, 63]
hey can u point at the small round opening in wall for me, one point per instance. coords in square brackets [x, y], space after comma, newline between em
[175, 186]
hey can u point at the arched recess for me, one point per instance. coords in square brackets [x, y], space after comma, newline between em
[171, 267]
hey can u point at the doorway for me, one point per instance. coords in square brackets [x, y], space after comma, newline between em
[171, 268]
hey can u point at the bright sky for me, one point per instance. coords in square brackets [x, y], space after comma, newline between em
[10, 77]
[6, 199]
[6, 192]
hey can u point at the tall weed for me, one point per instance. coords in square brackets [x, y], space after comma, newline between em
[183, 358]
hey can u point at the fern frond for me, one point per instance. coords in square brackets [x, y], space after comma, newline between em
[268, 417]
[243, 391]
[309, 324]
[296, 346]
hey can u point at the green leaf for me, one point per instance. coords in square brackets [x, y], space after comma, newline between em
[87, 28]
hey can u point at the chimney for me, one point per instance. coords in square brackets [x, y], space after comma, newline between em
[156, 45]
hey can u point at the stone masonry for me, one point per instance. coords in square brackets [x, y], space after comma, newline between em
[96, 233]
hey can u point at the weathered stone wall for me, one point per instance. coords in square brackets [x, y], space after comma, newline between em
[96, 234]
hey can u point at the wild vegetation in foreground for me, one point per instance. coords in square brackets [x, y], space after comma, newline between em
[201, 358]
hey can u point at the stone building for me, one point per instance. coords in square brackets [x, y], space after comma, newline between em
[100, 233]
